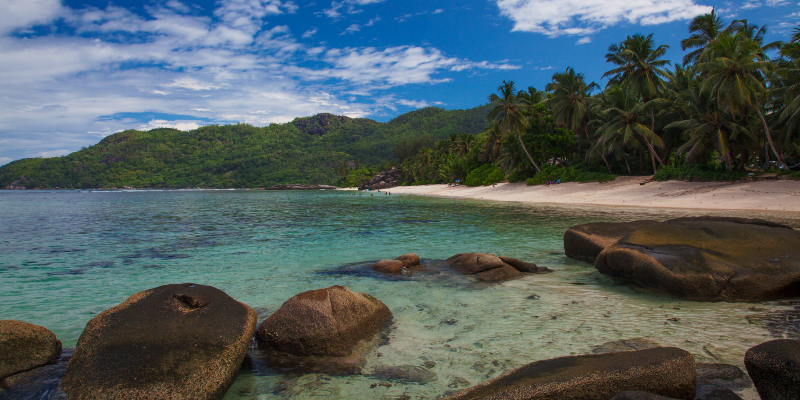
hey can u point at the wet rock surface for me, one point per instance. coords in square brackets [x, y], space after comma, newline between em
[25, 346]
[774, 367]
[704, 260]
[724, 375]
[491, 268]
[639, 395]
[40, 383]
[173, 341]
[714, 392]
[326, 322]
[666, 371]
[585, 242]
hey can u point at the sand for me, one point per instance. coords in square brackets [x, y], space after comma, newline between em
[766, 195]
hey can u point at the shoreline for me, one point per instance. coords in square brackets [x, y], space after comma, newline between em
[767, 195]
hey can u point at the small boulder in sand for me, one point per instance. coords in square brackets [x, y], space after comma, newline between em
[25, 346]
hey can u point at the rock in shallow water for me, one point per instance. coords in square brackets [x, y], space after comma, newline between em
[774, 367]
[666, 371]
[323, 322]
[171, 342]
[25, 346]
[388, 266]
[403, 373]
[709, 260]
[585, 242]
[491, 268]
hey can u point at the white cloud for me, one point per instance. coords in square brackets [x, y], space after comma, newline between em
[352, 29]
[418, 104]
[373, 21]
[309, 33]
[18, 14]
[438, 11]
[584, 40]
[54, 153]
[159, 123]
[237, 66]
[584, 17]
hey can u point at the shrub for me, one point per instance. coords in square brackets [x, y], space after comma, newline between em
[698, 173]
[571, 174]
[485, 176]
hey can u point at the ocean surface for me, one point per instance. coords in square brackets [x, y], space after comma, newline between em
[66, 256]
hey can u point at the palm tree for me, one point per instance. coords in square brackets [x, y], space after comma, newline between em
[570, 100]
[704, 30]
[508, 115]
[493, 145]
[735, 78]
[786, 83]
[626, 117]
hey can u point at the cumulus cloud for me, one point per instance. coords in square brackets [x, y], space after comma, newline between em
[234, 65]
[418, 104]
[584, 17]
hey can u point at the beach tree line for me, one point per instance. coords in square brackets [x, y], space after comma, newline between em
[730, 107]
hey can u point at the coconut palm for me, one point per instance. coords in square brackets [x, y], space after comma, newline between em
[508, 114]
[493, 145]
[735, 78]
[570, 100]
[704, 30]
[627, 119]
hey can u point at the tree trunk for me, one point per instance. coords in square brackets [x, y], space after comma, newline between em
[528, 154]
[769, 138]
[606, 161]
[627, 165]
[653, 155]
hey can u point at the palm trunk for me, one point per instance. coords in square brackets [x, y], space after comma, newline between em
[628, 165]
[769, 138]
[653, 129]
[606, 161]
[528, 154]
[653, 155]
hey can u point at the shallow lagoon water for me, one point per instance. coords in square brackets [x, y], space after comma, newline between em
[68, 255]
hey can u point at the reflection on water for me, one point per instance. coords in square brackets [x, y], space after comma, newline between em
[70, 255]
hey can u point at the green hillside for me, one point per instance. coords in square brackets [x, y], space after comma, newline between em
[306, 150]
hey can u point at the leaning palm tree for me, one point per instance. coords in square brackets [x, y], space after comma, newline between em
[570, 101]
[627, 119]
[508, 114]
[735, 78]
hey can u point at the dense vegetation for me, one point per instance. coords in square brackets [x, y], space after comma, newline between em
[307, 150]
[729, 109]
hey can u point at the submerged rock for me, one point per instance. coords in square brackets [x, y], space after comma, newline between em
[714, 392]
[666, 371]
[403, 373]
[585, 242]
[709, 260]
[25, 346]
[41, 383]
[171, 342]
[774, 367]
[324, 322]
[625, 345]
[728, 376]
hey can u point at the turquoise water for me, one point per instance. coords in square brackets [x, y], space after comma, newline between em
[66, 256]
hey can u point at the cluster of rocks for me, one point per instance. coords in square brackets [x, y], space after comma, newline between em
[700, 258]
[18, 184]
[299, 187]
[384, 180]
[189, 341]
[484, 267]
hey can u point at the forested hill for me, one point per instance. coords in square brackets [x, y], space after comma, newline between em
[306, 150]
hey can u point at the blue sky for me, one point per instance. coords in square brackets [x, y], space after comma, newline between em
[75, 71]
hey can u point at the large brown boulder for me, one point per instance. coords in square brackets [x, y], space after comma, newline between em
[665, 371]
[585, 242]
[25, 346]
[774, 367]
[389, 266]
[708, 260]
[323, 322]
[182, 341]
[409, 260]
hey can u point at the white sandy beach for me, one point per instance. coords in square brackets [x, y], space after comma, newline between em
[767, 195]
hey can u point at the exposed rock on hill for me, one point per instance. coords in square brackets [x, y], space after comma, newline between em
[384, 180]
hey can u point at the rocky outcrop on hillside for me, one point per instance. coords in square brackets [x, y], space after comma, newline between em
[384, 180]
[316, 125]
[18, 184]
